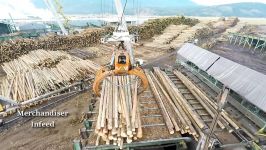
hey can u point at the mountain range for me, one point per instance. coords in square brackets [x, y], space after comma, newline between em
[162, 7]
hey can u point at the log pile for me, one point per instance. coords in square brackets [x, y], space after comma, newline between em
[118, 119]
[236, 29]
[10, 50]
[154, 27]
[178, 114]
[231, 21]
[157, 26]
[172, 105]
[212, 107]
[222, 24]
[198, 31]
[169, 34]
[42, 71]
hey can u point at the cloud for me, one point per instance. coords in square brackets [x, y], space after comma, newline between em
[220, 2]
[22, 9]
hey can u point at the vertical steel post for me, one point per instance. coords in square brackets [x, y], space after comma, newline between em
[222, 101]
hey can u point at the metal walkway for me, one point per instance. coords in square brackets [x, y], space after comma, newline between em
[258, 44]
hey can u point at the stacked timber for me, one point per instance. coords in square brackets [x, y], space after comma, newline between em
[221, 25]
[169, 34]
[236, 29]
[10, 50]
[154, 27]
[210, 105]
[224, 26]
[198, 31]
[209, 44]
[118, 119]
[157, 26]
[42, 71]
[231, 21]
[178, 113]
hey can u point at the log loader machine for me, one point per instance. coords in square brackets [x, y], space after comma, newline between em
[122, 62]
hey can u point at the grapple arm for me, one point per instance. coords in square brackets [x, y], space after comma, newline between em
[102, 74]
[138, 72]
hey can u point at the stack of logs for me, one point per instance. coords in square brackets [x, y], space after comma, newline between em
[222, 24]
[13, 49]
[178, 115]
[119, 117]
[10, 50]
[199, 31]
[154, 27]
[43, 71]
[157, 26]
[173, 110]
[169, 34]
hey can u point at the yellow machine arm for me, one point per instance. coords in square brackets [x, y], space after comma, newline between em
[122, 62]
[122, 66]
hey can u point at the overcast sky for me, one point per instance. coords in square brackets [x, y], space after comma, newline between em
[24, 8]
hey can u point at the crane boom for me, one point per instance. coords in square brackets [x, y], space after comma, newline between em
[121, 32]
[51, 7]
[122, 61]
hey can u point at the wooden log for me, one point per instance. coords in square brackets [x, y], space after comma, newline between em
[110, 105]
[169, 85]
[159, 101]
[98, 123]
[115, 102]
[135, 104]
[103, 119]
[169, 109]
[139, 126]
[208, 109]
[180, 100]
[97, 140]
[204, 97]
[124, 107]
[182, 116]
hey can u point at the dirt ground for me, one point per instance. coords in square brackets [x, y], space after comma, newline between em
[244, 56]
[104, 53]
[66, 129]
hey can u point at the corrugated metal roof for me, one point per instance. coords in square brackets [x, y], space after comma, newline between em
[248, 83]
[204, 59]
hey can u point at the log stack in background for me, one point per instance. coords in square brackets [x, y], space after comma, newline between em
[199, 31]
[42, 71]
[169, 34]
[118, 119]
[10, 50]
[157, 26]
[222, 24]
